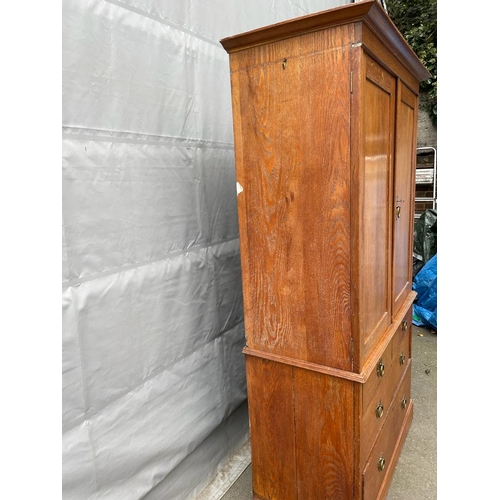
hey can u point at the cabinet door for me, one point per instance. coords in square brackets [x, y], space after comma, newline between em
[404, 188]
[378, 114]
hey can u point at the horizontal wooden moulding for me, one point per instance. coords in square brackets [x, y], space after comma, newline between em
[335, 372]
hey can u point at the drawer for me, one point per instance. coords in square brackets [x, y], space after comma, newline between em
[379, 461]
[390, 366]
[401, 342]
[376, 410]
[378, 378]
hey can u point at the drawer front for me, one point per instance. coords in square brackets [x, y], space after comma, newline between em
[390, 366]
[378, 378]
[380, 458]
[376, 410]
[401, 342]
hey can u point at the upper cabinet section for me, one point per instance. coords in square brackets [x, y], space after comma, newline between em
[324, 111]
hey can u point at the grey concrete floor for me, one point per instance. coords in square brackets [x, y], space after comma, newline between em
[415, 477]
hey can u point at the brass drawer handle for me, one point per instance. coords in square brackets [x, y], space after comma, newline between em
[404, 402]
[380, 368]
[379, 411]
[404, 325]
[402, 359]
[398, 212]
[381, 464]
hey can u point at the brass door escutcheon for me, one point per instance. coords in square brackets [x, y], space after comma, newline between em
[398, 212]
[404, 325]
[402, 359]
[381, 464]
[404, 402]
[379, 411]
[380, 369]
[283, 63]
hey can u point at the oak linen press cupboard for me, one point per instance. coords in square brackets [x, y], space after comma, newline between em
[325, 117]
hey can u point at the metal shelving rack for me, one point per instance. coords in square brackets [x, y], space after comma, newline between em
[429, 177]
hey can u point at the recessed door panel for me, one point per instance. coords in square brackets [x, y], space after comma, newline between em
[376, 199]
[404, 172]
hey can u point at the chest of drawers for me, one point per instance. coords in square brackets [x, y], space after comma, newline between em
[325, 113]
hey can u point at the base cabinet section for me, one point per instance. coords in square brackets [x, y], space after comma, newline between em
[311, 436]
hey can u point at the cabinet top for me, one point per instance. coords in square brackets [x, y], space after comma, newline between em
[368, 12]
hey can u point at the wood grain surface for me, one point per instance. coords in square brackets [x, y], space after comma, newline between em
[324, 115]
[272, 429]
[294, 210]
[404, 194]
[376, 202]
[386, 37]
[324, 420]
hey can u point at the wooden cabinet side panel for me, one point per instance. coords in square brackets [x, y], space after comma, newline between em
[325, 436]
[270, 399]
[404, 173]
[293, 166]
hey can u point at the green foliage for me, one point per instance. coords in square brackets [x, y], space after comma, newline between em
[417, 22]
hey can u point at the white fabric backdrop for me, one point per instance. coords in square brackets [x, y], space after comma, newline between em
[153, 384]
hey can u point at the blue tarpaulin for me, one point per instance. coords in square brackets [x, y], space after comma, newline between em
[425, 284]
